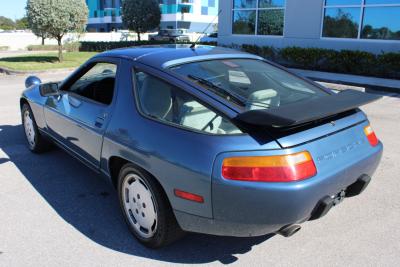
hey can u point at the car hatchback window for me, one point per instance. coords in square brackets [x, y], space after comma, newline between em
[248, 83]
[167, 103]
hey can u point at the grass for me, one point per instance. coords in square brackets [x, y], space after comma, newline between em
[45, 61]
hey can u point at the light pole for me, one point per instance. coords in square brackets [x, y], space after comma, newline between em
[176, 15]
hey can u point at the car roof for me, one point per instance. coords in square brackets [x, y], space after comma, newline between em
[164, 56]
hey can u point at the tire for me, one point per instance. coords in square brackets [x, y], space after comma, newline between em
[146, 208]
[35, 141]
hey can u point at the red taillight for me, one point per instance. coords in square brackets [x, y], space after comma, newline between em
[282, 168]
[371, 136]
[188, 196]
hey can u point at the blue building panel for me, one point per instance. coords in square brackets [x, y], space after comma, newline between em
[99, 9]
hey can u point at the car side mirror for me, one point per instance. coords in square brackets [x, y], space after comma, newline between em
[49, 89]
[32, 80]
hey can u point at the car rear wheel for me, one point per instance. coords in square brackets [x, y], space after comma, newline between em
[36, 142]
[146, 208]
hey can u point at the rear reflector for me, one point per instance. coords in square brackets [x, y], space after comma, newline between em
[282, 168]
[371, 136]
[188, 196]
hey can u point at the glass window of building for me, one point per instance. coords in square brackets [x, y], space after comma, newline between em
[362, 19]
[258, 17]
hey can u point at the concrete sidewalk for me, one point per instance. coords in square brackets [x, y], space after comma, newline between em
[390, 85]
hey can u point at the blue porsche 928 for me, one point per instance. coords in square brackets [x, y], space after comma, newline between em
[206, 139]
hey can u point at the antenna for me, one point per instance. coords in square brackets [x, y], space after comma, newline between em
[208, 26]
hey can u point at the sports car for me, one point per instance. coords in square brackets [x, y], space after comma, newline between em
[206, 139]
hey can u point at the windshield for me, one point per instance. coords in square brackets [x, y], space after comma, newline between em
[249, 83]
[176, 32]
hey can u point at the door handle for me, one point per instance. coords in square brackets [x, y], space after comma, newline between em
[99, 122]
[74, 102]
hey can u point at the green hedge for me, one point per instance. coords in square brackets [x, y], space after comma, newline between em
[42, 47]
[69, 47]
[104, 46]
[385, 65]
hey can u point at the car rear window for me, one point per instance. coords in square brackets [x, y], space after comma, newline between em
[167, 103]
[249, 83]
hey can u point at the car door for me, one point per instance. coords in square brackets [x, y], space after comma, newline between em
[78, 117]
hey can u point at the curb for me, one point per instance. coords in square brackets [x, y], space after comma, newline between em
[18, 72]
[373, 83]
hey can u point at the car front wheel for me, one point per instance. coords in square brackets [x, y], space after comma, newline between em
[36, 142]
[146, 208]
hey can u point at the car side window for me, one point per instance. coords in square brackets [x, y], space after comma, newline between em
[97, 83]
[165, 102]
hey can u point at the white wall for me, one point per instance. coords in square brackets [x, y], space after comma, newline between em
[303, 22]
[20, 40]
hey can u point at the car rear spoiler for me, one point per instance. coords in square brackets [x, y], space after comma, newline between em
[303, 112]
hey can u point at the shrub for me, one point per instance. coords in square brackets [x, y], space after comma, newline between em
[355, 62]
[104, 46]
[308, 58]
[267, 52]
[42, 47]
[4, 48]
[69, 47]
[386, 65]
[389, 65]
[72, 47]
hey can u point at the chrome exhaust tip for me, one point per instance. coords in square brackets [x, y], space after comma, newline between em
[289, 230]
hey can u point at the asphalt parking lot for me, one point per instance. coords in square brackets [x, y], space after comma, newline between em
[56, 212]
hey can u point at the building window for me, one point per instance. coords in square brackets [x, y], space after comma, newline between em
[259, 17]
[362, 19]
[204, 10]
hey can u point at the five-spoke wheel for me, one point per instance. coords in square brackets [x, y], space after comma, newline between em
[146, 208]
[36, 142]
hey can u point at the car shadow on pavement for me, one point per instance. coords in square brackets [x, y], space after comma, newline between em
[90, 204]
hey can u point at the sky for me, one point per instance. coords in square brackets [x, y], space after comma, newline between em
[13, 9]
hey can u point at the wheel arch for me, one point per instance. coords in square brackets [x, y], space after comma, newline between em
[115, 164]
[22, 102]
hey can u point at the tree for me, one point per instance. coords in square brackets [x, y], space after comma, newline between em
[141, 15]
[6, 23]
[270, 22]
[55, 18]
[343, 25]
[22, 24]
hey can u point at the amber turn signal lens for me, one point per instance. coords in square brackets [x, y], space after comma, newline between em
[280, 168]
[371, 136]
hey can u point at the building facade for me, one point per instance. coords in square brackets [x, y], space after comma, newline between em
[369, 25]
[194, 15]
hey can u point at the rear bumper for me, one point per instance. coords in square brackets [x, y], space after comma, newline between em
[253, 209]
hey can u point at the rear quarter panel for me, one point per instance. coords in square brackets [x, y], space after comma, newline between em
[340, 159]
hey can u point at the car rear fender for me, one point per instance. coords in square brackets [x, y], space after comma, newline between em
[340, 159]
